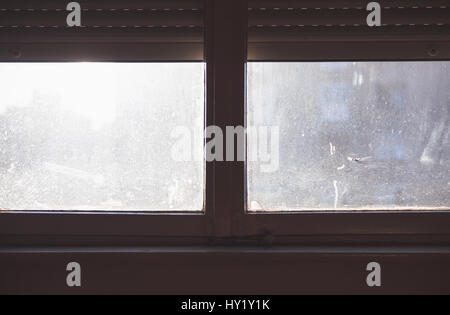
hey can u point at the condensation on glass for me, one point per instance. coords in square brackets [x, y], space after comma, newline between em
[100, 136]
[353, 135]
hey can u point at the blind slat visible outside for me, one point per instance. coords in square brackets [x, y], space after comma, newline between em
[176, 23]
[104, 4]
[341, 4]
[277, 24]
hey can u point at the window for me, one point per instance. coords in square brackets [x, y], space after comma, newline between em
[100, 136]
[103, 149]
[353, 135]
[337, 113]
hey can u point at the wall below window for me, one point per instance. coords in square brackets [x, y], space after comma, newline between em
[241, 271]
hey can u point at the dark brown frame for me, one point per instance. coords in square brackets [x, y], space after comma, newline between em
[225, 221]
[181, 228]
[227, 250]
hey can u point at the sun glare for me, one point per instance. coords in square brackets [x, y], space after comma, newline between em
[86, 89]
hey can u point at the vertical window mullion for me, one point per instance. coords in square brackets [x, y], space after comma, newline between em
[226, 54]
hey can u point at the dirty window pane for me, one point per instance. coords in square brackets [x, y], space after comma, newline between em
[97, 136]
[353, 135]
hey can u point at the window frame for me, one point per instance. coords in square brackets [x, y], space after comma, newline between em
[226, 220]
[346, 227]
[49, 228]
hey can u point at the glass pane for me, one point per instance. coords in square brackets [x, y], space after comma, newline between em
[352, 136]
[97, 136]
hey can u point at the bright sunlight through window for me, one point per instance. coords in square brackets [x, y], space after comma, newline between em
[353, 135]
[97, 136]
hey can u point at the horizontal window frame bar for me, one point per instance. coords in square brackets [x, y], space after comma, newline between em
[394, 225]
[101, 35]
[349, 51]
[102, 52]
[349, 33]
[95, 224]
